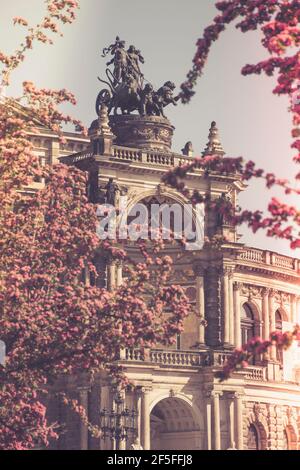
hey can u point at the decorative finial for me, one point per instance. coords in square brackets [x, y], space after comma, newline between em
[214, 146]
[188, 149]
[101, 134]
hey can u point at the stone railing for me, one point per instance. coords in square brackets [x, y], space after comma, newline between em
[282, 261]
[132, 355]
[254, 255]
[136, 155]
[152, 157]
[165, 357]
[160, 159]
[174, 357]
[76, 157]
[179, 358]
[132, 155]
[255, 373]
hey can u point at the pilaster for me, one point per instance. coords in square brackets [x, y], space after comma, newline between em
[212, 287]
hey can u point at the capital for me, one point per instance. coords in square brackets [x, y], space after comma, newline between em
[265, 291]
[144, 389]
[238, 395]
[237, 286]
[228, 271]
[213, 394]
[272, 293]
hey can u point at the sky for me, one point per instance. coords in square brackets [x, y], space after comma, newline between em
[252, 122]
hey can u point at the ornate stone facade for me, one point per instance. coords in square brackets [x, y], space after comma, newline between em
[237, 292]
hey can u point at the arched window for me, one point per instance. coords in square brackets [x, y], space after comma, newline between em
[252, 438]
[278, 327]
[247, 323]
[278, 320]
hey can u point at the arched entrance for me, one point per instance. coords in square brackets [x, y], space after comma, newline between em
[253, 442]
[289, 438]
[174, 426]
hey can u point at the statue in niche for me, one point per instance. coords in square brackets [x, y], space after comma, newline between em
[223, 201]
[111, 192]
[92, 187]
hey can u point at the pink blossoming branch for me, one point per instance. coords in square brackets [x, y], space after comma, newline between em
[58, 12]
[278, 21]
[256, 347]
[52, 321]
[284, 220]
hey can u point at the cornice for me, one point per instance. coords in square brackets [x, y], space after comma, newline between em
[274, 273]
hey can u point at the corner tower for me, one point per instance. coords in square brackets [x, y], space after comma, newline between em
[129, 153]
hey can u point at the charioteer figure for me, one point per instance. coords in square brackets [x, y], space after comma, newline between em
[119, 60]
[134, 57]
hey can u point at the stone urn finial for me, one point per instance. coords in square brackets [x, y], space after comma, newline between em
[104, 120]
[214, 146]
[101, 134]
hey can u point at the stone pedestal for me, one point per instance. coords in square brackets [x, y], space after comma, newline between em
[153, 132]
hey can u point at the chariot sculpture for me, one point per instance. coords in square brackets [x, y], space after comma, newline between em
[128, 90]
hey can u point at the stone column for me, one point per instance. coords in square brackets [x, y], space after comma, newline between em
[84, 433]
[293, 309]
[119, 269]
[200, 305]
[231, 399]
[139, 412]
[239, 420]
[111, 275]
[208, 421]
[231, 309]
[237, 314]
[265, 315]
[100, 265]
[54, 152]
[272, 321]
[226, 313]
[145, 418]
[216, 414]
[298, 309]
[87, 279]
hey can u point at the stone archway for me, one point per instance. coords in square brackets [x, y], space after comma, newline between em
[175, 207]
[174, 426]
[259, 425]
[291, 438]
